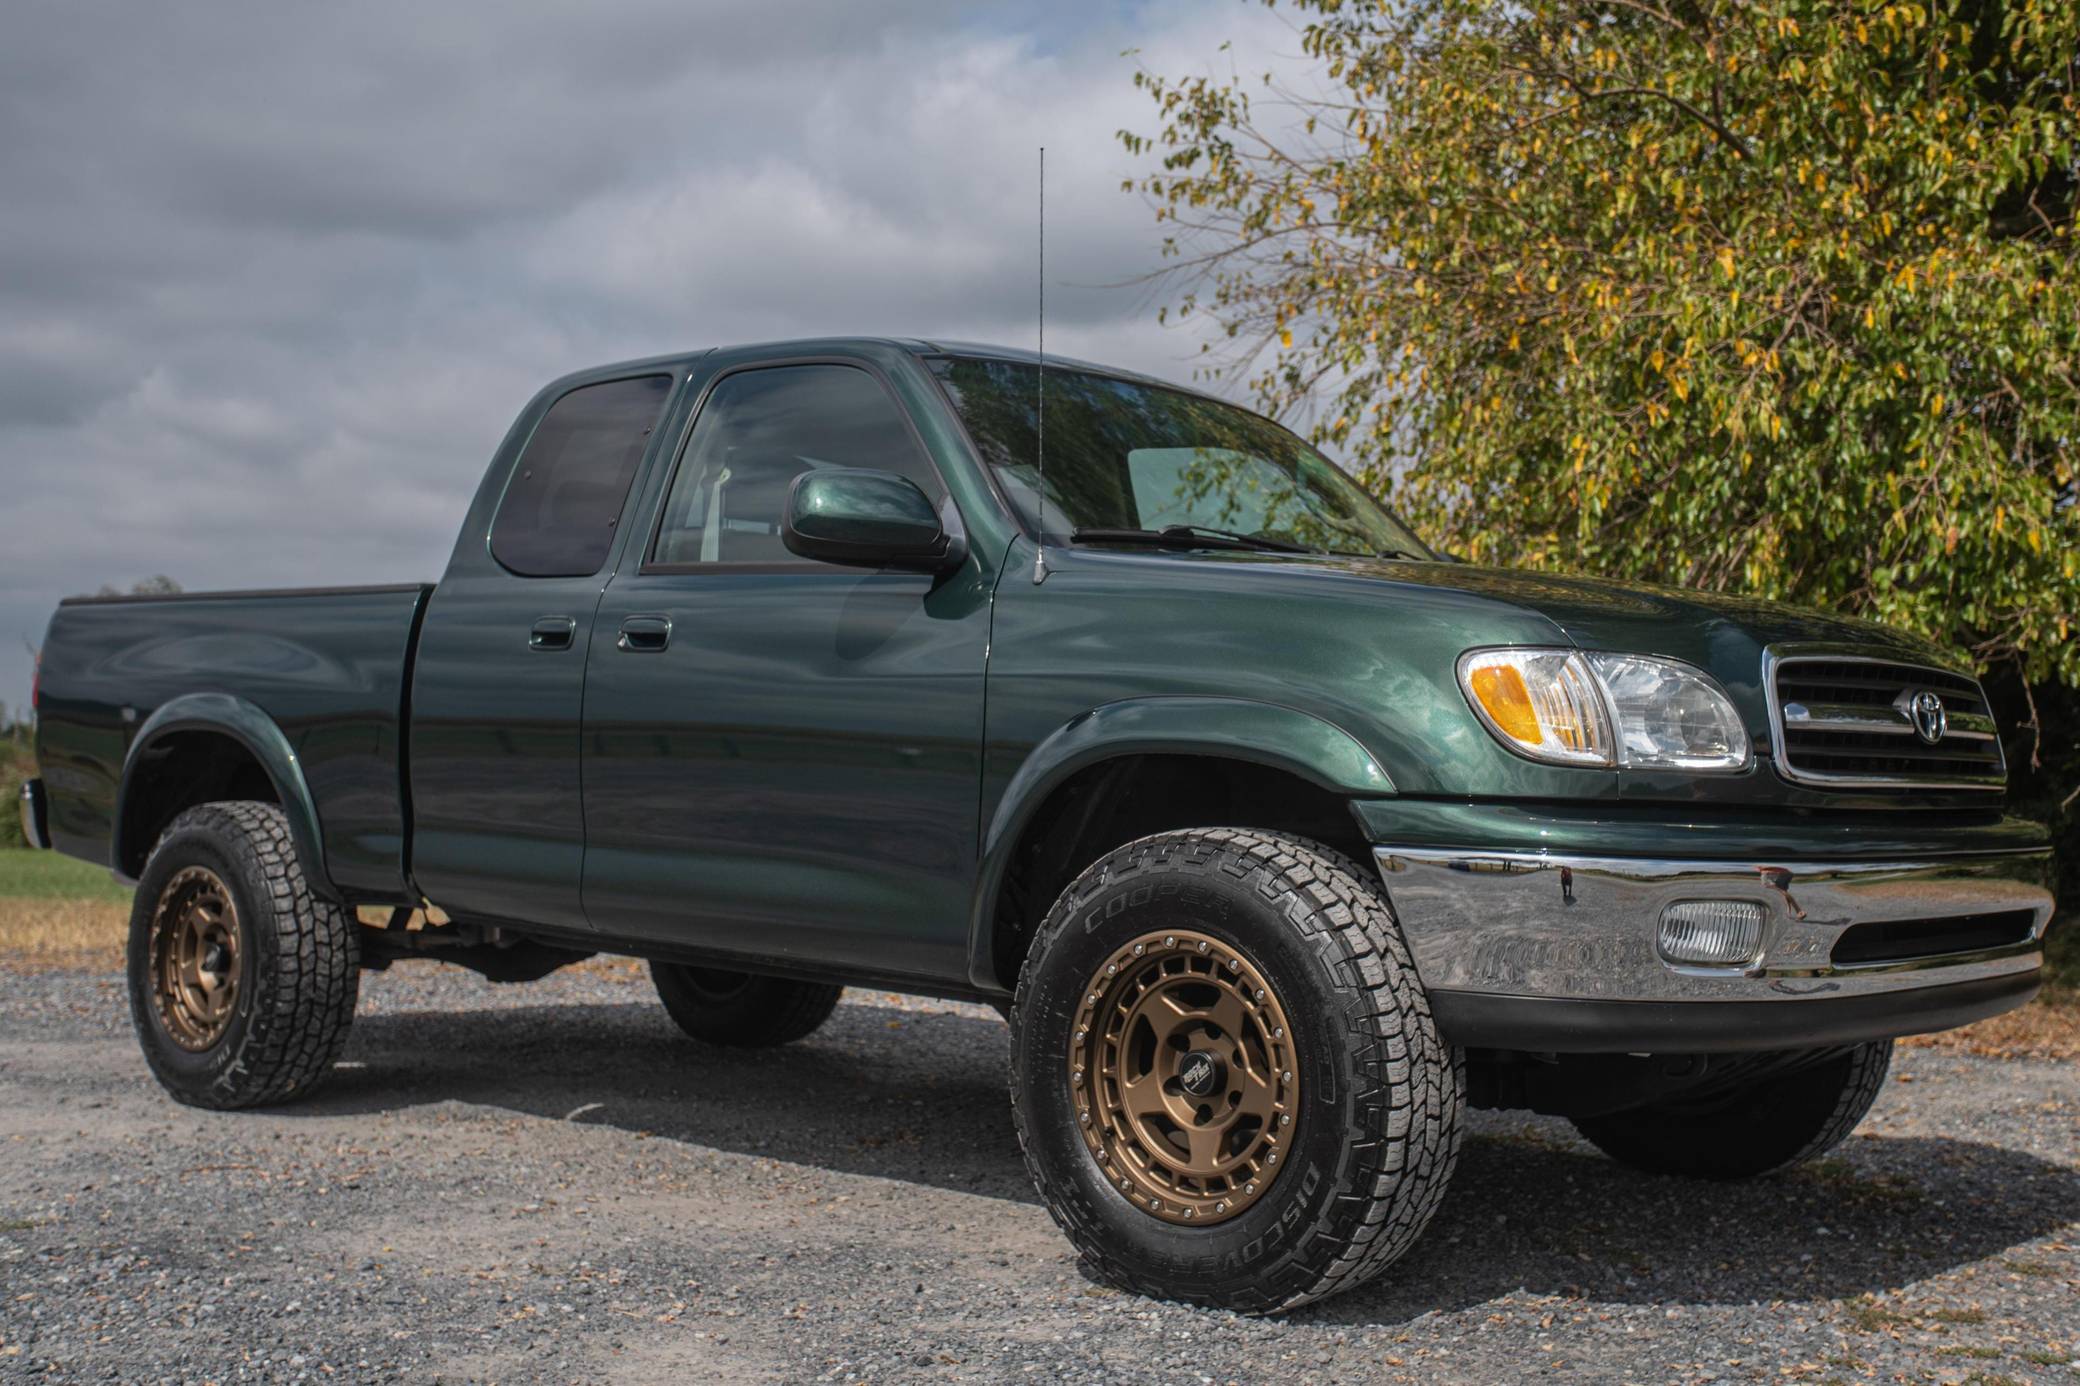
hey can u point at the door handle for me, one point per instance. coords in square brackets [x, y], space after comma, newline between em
[552, 633]
[645, 634]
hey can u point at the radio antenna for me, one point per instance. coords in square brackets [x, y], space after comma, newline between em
[1040, 405]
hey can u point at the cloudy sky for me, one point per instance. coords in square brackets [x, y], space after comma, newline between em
[275, 276]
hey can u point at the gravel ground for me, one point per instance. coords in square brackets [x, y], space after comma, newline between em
[546, 1183]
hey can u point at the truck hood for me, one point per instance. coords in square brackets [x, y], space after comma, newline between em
[1718, 632]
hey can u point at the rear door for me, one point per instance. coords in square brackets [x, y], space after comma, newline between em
[782, 757]
[499, 826]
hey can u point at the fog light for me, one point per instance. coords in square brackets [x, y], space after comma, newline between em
[1712, 933]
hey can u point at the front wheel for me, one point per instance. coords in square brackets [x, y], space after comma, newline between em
[1225, 1077]
[1768, 1124]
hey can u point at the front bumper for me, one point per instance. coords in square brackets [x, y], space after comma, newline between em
[1558, 953]
[36, 814]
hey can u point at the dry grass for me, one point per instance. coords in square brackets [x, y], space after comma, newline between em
[39, 934]
[87, 935]
[2047, 1028]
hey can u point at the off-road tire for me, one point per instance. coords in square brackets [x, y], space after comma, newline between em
[741, 1010]
[299, 963]
[1377, 1130]
[1769, 1124]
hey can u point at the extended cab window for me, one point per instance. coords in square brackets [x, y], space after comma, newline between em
[758, 431]
[558, 515]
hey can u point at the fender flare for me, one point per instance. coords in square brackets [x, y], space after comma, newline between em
[1284, 738]
[245, 723]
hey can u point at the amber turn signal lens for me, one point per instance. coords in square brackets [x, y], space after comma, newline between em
[1542, 703]
[1501, 691]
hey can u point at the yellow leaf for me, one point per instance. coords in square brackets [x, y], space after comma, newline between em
[1726, 260]
[1285, 337]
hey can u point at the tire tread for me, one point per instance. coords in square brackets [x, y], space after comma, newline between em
[304, 987]
[1416, 1081]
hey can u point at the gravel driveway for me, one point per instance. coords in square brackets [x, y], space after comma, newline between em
[546, 1183]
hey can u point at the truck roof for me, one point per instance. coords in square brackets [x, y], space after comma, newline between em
[916, 346]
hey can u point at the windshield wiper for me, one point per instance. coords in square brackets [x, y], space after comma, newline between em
[1188, 537]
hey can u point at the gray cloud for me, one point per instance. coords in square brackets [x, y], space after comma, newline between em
[274, 277]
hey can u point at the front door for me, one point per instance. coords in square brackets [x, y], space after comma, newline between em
[782, 758]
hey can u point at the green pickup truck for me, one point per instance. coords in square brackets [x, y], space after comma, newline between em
[1280, 837]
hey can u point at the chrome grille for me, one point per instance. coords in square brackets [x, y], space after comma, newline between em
[1842, 719]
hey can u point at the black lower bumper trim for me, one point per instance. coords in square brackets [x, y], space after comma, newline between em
[1569, 1025]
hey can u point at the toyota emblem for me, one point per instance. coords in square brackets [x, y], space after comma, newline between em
[1931, 720]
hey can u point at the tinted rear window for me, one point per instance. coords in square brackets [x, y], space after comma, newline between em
[560, 509]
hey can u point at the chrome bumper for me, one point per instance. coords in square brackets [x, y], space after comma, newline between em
[1488, 927]
[36, 818]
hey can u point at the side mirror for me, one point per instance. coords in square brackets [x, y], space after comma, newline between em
[867, 519]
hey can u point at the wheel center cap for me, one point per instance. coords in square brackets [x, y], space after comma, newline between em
[1199, 1073]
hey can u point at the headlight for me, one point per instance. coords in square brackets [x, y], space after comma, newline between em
[1585, 707]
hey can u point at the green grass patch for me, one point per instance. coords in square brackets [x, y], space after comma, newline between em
[1868, 1316]
[31, 875]
[1958, 1315]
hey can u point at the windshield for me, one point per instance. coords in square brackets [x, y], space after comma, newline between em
[1123, 455]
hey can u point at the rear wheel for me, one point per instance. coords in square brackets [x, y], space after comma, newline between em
[242, 982]
[742, 1009]
[1225, 1076]
[1765, 1125]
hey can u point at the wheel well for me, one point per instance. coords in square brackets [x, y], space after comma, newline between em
[179, 771]
[1116, 801]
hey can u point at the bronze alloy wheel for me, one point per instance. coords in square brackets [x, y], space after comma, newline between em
[1184, 1076]
[194, 961]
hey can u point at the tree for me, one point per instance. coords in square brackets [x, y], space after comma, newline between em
[1780, 296]
[158, 585]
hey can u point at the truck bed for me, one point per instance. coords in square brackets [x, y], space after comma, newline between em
[330, 666]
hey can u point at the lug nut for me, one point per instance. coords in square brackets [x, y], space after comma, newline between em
[1220, 1207]
[1202, 945]
[1169, 943]
[1286, 1120]
[1260, 993]
[1111, 968]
